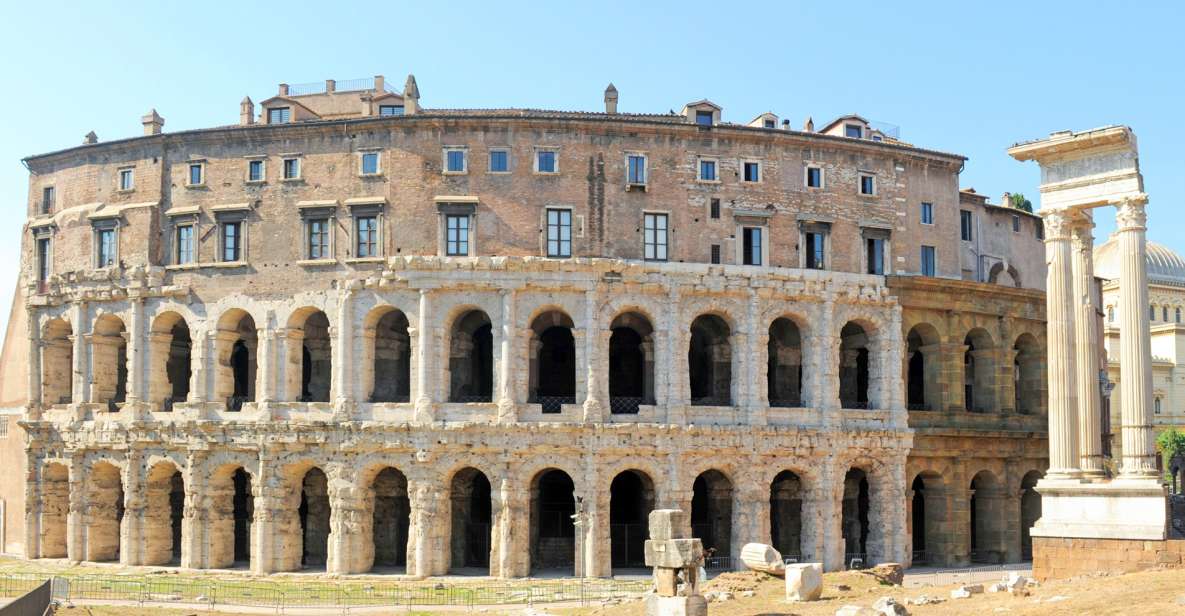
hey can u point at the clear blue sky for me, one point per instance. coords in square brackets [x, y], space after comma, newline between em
[970, 78]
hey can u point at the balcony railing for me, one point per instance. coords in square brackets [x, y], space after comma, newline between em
[341, 85]
[625, 405]
[553, 404]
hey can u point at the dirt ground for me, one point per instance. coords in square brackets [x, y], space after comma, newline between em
[1139, 594]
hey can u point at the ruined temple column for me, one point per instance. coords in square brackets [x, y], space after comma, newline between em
[427, 549]
[351, 527]
[510, 544]
[1086, 340]
[1135, 344]
[1059, 301]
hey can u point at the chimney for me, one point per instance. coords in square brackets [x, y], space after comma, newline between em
[330, 86]
[1006, 200]
[152, 123]
[611, 99]
[380, 84]
[283, 89]
[809, 126]
[411, 96]
[246, 111]
[785, 124]
[90, 139]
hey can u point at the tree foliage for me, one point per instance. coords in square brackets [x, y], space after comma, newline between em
[1019, 202]
[1171, 443]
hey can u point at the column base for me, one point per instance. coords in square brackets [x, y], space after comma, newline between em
[1118, 509]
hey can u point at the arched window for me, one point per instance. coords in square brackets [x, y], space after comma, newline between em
[1111, 314]
[1156, 406]
[1151, 313]
[1164, 314]
[1178, 315]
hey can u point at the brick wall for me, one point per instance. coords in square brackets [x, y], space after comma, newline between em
[1056, 558]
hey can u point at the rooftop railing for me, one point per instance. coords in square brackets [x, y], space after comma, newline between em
[345, 85]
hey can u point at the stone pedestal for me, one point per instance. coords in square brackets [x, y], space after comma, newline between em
[1121, 509]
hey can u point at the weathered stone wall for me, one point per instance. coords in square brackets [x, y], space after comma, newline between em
[1059, 558]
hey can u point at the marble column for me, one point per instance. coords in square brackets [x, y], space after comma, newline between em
[1086, 335]
[1135, 344]
[1059, 300]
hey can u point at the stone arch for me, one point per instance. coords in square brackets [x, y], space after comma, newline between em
[786, 495]
[236, 345]
[471, 520]
[169, 350]
[164, 498]
[631, 362]
[979, 371]
[988, 519]
[57, 362]
[471, 357]
[386, 362]
[711, 511]
[709, 361]
[929, 519]
[232, 513]
[1030, 511]
[309, 351]
[553, 361]
[1029, 375]
[314, 515]
[857, 518]
[1006, 275]
[784, 376]
[103, 511]
[553, 534]
[53, 510]
[109, 361]
[855, 365]
[923, 368]
[631, 499]
[392, 517]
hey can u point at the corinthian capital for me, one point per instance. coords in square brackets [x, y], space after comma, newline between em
[1130, 213]
[1058, 224]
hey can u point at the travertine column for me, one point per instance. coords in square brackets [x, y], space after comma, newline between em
[426, 550]
[82, 327]
[1059, 301]
[195, 522]
[199, 378]
[1135, 345]
[506, 402]
[596, 381]
[423, 340]
[1086, 334]
[36, 348]
[343, 347]
[136, 390]
[75, 520]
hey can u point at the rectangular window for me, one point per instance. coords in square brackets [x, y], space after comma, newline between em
[927, 213]
[876, 256]
[715, 253]
[390, 110]
[196, 173]
[545, 161]
[703, 118]
[814, 177]
[965, 225]
[454, 161]
[559, 233]
[769, 124]
[751, 248]
[1039, 229]
[42, 260]
[707, 170]
[279, 115]
[370, 163]
[714, 208]
[184, 251]
[291, 168]
[456, 238]
[853, 130]
[366, 234]
[654, 237]
[105, 239]
[232, 241]
[255, 171]
[636, 169]
[928, 264]
[1015, 223]
[499, 161]
[752, 172]
[318, 230]
[816, 257]
[867, 184]
[127, 180]
[47, 199]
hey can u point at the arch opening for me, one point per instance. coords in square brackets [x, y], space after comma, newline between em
[1028, 374]
[631, 363]
[927, 517]
[1030, 512]
[711, 512]
[553, 533]
[109, 362]
[57, 363]
[243, 513]
[472, 515]
[784, 369]
[169, 349]
[631, 499]
[709, 361]
[855, 517]
[314, 515]
[853, 366]
[553, 361]
[979, 366]
[308, 340]
[987, 519]
[392, 518]
[923, 368]
[105, 497]
[785, 514]
[392, 359]
[55, 507]
[471, 358]
[164, 493]
[236, 345]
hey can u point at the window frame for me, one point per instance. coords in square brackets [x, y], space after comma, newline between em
[714, 254]
[130, 174]
[284, 166]
[286, 112]
[860, 177]
[201, 170]
[630, 180]
[490, 161]
[467, 241]
[745, 171]
[375, 233]
[927, 213]
[240, 225]
[699, 170]
[665, 244]
[806, 176]
[558, 227]
[262, 162]
[44, 258]
[755, 258]
[859, 131]
[700, 114]
[396, 111]
[874, 252]
[324, 235]
[933, 261]
[191, 226]
[100, 229]
[555, 160]
[444, 160]
[1016, 223]
[378, 163]
[714, 208]
[966, 226]
[48, 196]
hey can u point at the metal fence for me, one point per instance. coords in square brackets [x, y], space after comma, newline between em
[965, 575]
[322, 594]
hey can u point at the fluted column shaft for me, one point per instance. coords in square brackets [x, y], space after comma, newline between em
[1086, 334]
[1135, 344]
[1059, 302]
